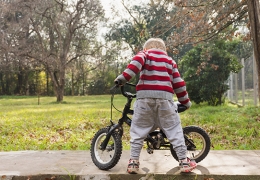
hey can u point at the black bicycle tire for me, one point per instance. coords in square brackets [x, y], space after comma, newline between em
[117, 154]
[203, 133]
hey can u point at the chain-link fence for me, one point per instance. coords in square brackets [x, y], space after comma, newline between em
[243, 85]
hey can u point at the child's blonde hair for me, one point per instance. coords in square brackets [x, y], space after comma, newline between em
[157, 43]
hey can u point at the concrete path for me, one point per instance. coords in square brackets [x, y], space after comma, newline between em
[39, 164]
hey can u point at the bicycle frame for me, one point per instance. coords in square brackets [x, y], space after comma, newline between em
[123, 119]
[127, 120]
[106, 145]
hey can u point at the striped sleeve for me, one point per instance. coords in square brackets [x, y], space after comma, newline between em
[135, 66]
[179, 87]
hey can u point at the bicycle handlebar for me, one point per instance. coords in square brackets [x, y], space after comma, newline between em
[118, 83]
[128, 94]
[181, 107]
[124, 93]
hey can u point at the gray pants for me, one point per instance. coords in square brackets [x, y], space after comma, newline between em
[150, 114]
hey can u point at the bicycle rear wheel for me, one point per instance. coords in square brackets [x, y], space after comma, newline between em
[197, 142]
[108, 158]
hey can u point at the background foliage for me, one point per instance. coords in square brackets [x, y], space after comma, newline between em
[54, 47]
[71, 125]
[207, 70]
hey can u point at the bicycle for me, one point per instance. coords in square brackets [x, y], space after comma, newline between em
[106, 145]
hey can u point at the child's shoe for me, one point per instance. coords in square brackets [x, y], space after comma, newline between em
[133, 166]
[187, 165]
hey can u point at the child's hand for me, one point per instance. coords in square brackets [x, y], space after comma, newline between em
[118, 82]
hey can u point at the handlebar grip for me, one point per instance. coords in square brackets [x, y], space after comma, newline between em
[118, 82]
[181, 108]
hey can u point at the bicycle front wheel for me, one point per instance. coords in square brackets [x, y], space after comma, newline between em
[108, 158]
[197, 142]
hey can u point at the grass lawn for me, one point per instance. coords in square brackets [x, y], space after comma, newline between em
[27, 125]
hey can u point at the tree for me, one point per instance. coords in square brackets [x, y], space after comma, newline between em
[111, 63]
[200, 21]
[208, 67]
[55, 33]
[205, 19]
[14, 71]
[132, 31]
[145, 21]
[254, 16]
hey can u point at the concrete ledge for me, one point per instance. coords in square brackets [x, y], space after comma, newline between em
[77, 165]
[134, 177]
[183, 177]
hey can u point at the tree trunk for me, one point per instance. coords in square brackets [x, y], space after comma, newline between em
[19, 82]
[60, 94]
[47, 83]
[83, 84]
[254, 17]
[62, 85]
[2, 84]
[58, 83]
[72, 83]
[26, 88]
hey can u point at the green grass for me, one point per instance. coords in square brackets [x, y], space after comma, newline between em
[25, 125]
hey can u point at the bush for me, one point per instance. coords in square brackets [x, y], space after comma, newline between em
[207, 70]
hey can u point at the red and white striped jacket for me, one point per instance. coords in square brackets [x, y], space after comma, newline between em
[159, 76]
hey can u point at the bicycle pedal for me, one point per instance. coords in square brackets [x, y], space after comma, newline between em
[150, 151]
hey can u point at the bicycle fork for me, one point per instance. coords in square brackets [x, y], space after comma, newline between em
[112, 128]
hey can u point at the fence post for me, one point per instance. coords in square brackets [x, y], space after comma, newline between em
[230, 87]
[236, 88]
[255, 81]
[233, 87]
[243, 81]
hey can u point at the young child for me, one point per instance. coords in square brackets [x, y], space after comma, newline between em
[154, 107]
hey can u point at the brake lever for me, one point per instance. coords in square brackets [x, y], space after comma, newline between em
[115, 86]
